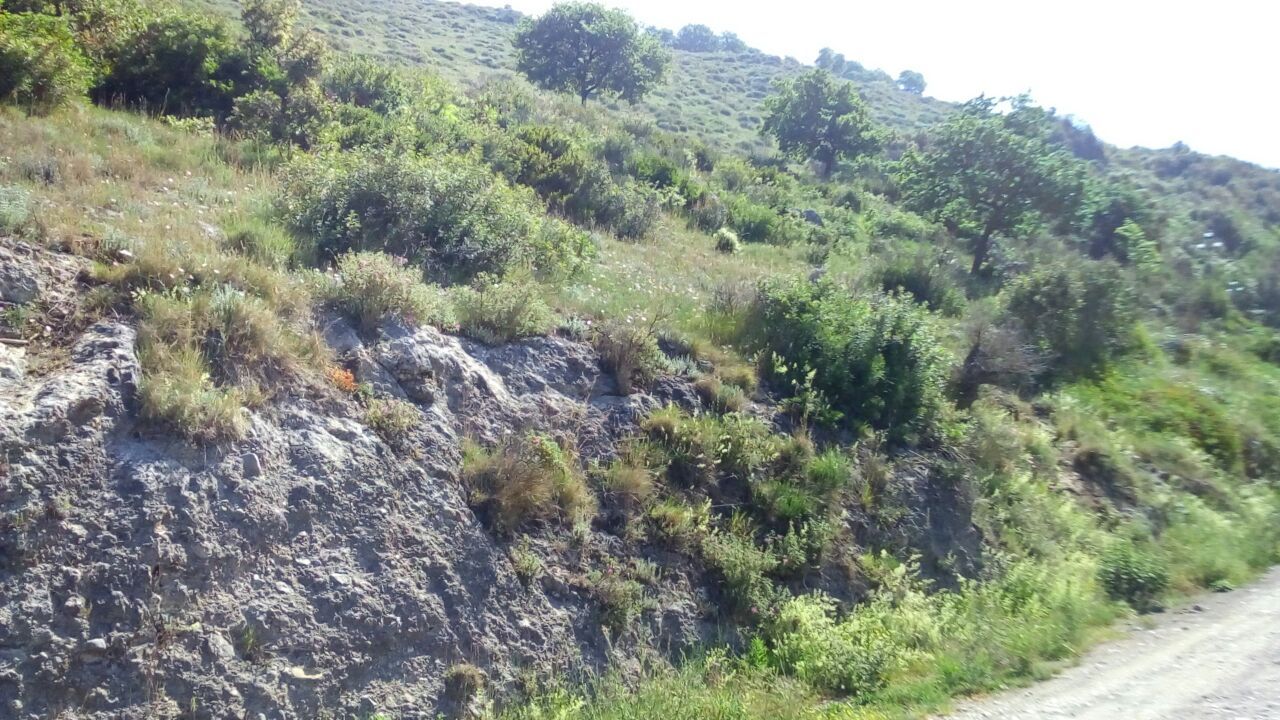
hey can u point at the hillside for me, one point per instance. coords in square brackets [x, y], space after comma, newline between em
[395, 387]
[712, 96]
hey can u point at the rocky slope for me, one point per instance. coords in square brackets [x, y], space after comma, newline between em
[311, 570]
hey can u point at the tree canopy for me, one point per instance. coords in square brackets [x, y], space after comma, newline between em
[590, 50]
[816, 116]
[984, 174]
[911, 81]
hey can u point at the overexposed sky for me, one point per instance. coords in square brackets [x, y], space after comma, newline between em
[1140, 72]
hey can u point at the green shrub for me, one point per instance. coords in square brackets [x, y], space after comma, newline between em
[852, 657]
[923, 278]
[1081, 315]
[178, 63]
[621, 597]
[445, 212]
[876, 360]
[743, 570]
[753, 222]
[719, 396]
[370, 286]
[1133, 574]
[527, 479]
[495, 311]
[690, 446]
[392, 419]
[629, 350]
[727, 242]
[41, 64]
[15, 208]
[367, 83]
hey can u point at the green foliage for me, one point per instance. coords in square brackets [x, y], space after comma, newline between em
[620, 595]
[366, 83]
[589, 50]
[41, 64]
[727, 241]
[371, 286]
[1132, 573]
[392, 419]
[912, 82]
[1081, 315]
[876, 360]
[177, 63]
[923, 276]
[527, 479]
[816, 116]
[742, 568]
[981, 177]
[445, 212]
[498, 310]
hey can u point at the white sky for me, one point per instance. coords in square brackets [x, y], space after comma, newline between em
[1140, 72]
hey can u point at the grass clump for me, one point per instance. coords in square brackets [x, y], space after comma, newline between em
[373, 286]
[629, 351]
[727, 242]
[498, 310]
[392, 419]
[205, 354]
[720, 396]
[528, 480]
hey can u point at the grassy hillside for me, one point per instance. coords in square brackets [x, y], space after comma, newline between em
[715, 97]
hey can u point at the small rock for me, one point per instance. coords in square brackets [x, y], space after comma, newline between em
[252, 465]
[19, 280]
[342, 579]
[220, 647]
[96, 645]
[73, 604]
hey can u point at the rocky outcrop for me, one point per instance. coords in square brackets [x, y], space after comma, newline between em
[308, 570]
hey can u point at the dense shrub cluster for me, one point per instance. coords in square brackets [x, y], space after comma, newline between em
[876, 360]
[1080, 315]
[446, 213]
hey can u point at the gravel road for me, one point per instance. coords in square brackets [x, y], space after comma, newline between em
[1219, 658]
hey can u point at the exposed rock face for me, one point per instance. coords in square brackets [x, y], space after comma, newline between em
[308, 569]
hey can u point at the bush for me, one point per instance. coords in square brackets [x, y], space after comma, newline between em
[630, 351]
[262, 242]
[922, 277]
[41, 65]
[743, 569]
[1133, 574]
[495, 311]
[727, 241]
[178, 63]
[876, 360]
[689, 446]
[1081, 316]
[367, 83]
[853, 657]
[527, 479]
[753, 222]
[371, 286]
[446, 212]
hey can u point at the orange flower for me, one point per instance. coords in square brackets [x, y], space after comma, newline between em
[341, 379]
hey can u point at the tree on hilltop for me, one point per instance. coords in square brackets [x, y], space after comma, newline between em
[590, 50]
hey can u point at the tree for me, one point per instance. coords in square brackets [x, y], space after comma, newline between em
[816, 116]
[911, 81]
[40, 65]
[590, 50]
[697, 38]
[980, 177]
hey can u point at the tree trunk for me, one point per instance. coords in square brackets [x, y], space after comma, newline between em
[981, 249]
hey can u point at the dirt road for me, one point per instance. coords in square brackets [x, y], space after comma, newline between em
[1217, 659]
